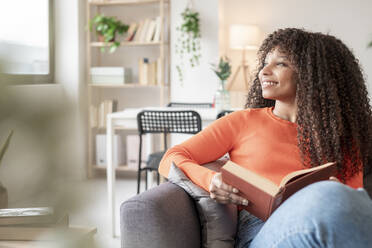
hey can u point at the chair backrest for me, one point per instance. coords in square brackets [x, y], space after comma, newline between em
[223, 113]
[183, 121]
[190, 105]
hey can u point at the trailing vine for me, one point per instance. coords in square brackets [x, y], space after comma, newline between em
[188, 41]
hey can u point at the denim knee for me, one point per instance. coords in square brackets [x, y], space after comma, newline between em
[323, 214]
[328, 201]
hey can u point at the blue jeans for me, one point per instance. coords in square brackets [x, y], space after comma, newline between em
[324, 214]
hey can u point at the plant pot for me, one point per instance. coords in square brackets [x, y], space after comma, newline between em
[101, 38]
[3, 197]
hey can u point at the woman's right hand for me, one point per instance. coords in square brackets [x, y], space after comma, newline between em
[224, 193]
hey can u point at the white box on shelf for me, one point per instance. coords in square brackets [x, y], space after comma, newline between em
[110, 75]
[133, 150]
[118, 153]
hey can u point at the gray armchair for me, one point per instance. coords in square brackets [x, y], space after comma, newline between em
[165, 216]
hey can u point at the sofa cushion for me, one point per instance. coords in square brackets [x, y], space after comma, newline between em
[218, 221]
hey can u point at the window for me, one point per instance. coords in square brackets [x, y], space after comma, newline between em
[26, 41]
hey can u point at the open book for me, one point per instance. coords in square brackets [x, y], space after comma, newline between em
[265, 196]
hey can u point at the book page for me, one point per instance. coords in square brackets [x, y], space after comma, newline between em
[252, 178]
[296, 174]
[17, 212]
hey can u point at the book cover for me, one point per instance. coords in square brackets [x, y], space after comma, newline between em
[159, 71]
[24, 216]
[144, 30]
[156, 37]
[131, 31]
[150, 31]
[143, 71]
[265, 196]
[138, 32]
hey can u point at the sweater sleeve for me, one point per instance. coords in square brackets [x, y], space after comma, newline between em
[208, 145]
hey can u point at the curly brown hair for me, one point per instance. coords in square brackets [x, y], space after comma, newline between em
[334, 120]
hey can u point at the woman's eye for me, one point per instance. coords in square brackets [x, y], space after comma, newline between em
[281, 64]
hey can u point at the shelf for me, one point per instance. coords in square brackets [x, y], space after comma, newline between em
[123, 2]
[129, 85]
[110, 90]
[126, 43]
[119, 168]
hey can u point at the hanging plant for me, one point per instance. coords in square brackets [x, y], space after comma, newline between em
[188, 41]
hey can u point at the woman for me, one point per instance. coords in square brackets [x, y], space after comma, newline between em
[308, 105]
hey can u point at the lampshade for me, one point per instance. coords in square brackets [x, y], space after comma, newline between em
[244, 37]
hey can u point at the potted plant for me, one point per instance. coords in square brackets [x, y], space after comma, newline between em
[222, 96]
[188, 41]
[107, 27]
[3, 190]
[223, 69]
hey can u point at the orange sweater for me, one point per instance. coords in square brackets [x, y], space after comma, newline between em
[254, 138]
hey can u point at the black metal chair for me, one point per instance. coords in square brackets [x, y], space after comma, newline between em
[163, 122]
[189, 105]
[223, 113]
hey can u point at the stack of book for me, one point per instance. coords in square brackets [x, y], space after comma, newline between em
[147, 30]
[98, 115]
[149, 72]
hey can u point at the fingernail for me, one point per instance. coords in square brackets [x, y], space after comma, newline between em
[235, 190]
[245, 202]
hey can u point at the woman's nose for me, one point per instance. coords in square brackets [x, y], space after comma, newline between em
[266, 70]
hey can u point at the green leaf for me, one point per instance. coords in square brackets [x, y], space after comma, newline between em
[370, 44]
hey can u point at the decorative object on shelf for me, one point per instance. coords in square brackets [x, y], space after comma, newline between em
[188, 41]
[222, 95]
[243, 37]
[3, 190]
[113, 75]
[107, 27]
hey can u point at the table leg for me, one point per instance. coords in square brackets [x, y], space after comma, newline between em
[110, 174]
[149, 148]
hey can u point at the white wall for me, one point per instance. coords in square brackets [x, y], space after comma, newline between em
[200, 82]
[348, 20]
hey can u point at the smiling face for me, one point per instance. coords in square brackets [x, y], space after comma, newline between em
[278, 77]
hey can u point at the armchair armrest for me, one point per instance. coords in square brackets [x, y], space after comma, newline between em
[164, 216]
